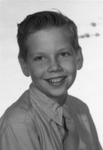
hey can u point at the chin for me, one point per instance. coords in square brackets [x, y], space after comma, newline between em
[57, 92]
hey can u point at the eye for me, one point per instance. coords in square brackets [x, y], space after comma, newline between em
[64, 54]
[39, 58]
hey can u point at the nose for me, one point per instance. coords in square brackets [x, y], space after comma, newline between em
[54, 66]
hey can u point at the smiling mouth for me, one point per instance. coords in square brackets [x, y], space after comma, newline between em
[56, 81]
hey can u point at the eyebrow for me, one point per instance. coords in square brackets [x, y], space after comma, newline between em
[66, 49]
[39, 53]
[59, 50]
[36, 54]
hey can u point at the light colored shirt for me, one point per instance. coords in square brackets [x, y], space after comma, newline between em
[35, 122]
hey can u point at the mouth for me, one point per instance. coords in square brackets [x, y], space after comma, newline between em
[56, 81]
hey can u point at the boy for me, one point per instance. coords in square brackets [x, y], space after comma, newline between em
[45, 117]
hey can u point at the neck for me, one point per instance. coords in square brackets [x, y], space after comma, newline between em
[60, 99]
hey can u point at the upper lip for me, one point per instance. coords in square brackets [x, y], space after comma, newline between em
[55, 77]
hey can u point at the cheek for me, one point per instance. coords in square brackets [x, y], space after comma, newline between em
[69, 66]
[37, 72]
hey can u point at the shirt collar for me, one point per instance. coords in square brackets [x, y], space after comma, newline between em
[49, 106]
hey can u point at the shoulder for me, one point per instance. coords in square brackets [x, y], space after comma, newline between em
[76, 105]
[76, 101]
[16, 113]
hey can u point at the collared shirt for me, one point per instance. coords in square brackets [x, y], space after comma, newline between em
[35, 122]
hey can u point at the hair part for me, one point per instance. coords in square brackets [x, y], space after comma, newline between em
[44, 20]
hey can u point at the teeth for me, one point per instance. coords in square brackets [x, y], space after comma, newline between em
[55, 80]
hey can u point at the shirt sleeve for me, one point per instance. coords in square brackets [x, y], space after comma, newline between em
[97, 144]
[87, 130]
[18, 136]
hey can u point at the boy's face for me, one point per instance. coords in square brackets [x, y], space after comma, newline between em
[52, 62]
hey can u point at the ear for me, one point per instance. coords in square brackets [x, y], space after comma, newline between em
[24, 67]
[79, 59]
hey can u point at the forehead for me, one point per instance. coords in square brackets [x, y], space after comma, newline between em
[46, 39]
